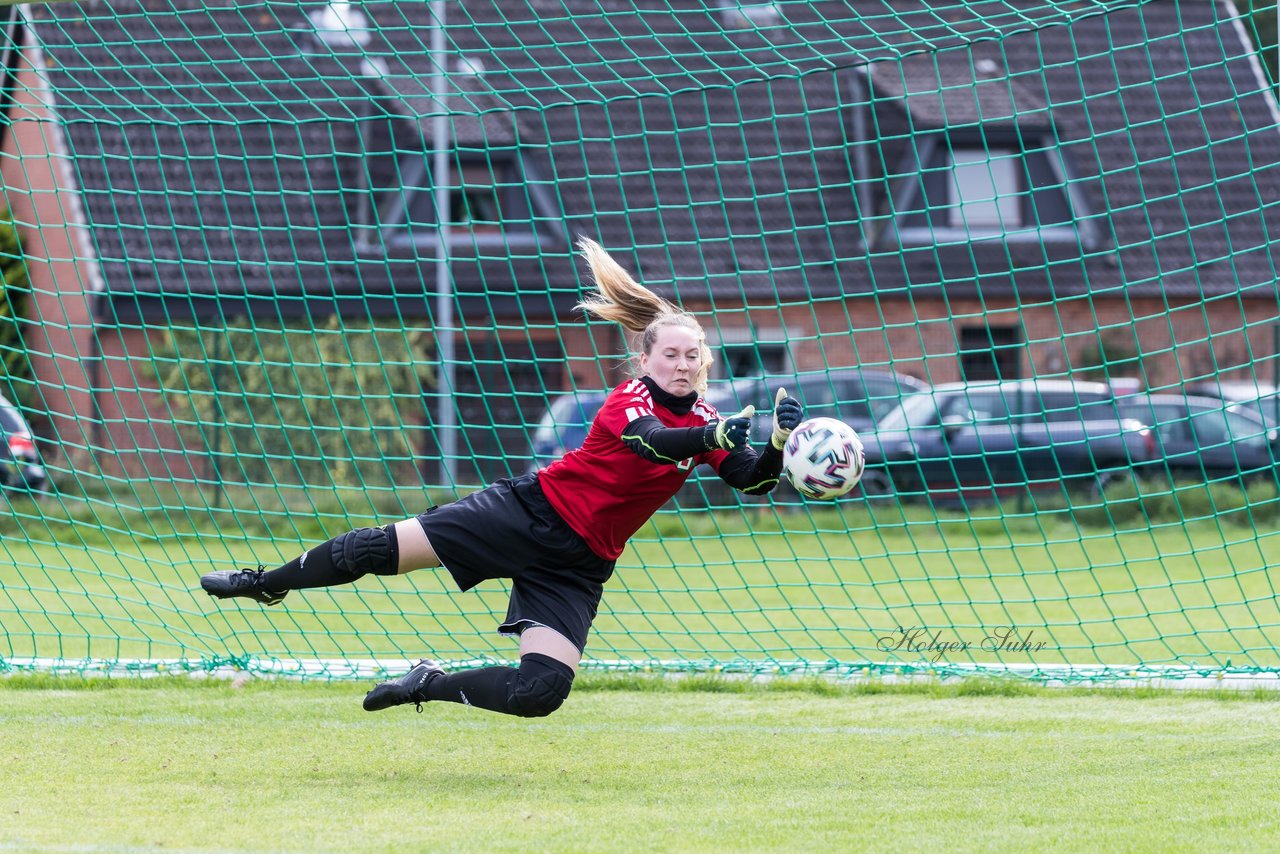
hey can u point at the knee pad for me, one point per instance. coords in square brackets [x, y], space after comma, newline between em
[541, 686]
[366, 550]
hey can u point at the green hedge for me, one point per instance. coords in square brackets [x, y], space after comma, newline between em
[331, 405]
[17, 382]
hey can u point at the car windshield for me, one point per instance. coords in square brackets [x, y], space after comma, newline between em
[732, 394]
[883, 406]
[919, 410]
[567, 411]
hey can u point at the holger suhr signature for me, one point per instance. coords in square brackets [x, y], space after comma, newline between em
[932, 644]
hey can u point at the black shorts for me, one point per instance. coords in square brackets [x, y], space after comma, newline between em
[509, 530]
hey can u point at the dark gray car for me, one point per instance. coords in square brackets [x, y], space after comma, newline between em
[1204, 438]
[859, 397]
[1261, 399]
[981, 440]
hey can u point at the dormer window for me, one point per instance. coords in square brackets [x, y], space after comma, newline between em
[495, 196]
[492, 199]
[476, 197]
[738, 15]
[971, 152]
[953, 188]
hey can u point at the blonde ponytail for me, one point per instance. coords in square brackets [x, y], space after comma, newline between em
[621, 299]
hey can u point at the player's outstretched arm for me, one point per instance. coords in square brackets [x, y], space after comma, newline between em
[757, 474]
[648, 437]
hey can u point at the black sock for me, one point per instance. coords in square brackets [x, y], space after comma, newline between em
[335, 562]
[486, 688]
[536, 688]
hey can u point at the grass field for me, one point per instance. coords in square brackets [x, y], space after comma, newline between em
[699, 587]
[636, 765]
[644, 763]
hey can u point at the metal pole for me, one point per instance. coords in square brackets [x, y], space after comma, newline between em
[861, 159]
[1275, 349]
[444, 284]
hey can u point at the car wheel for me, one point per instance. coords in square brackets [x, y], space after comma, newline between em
[878, 485]
[1107, 483]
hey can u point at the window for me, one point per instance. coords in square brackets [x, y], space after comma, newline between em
[475, 199]
[817, 395]
[1171, 423]
[1059, 406]
[10, 420]
[1245, 430]
[753, 360]
[984, 190]
[883, 396]
[984, 407]
[920, 410]
[990, 352]
[492, 198]
[1210, 428]
[995, 184]
[749, 16]
[850, 403]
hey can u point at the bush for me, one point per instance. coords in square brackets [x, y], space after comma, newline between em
[17, 381]
[333, 405]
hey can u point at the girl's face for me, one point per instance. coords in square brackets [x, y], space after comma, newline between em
[673, 360]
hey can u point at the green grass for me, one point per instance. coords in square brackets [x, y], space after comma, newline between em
[819, 586]
[644, 765]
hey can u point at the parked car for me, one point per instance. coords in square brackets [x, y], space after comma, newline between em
[564, 426]
[981, 440]
[859, 397]
[1202, 438]
[20, 466]
[1260, 398]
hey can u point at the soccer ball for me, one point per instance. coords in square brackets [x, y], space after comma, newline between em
[823, 458]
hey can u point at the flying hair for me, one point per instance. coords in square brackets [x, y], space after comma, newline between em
[621, 299]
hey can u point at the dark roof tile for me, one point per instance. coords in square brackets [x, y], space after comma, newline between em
[224, 143]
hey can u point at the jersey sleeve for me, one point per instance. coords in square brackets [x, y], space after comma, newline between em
[713, 459]
[625, 404]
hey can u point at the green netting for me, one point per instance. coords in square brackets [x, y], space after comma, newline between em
[292, 268]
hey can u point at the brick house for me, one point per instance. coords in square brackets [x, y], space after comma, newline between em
[951, 191]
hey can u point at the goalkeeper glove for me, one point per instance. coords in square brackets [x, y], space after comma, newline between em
[731, 432]
[786, 417]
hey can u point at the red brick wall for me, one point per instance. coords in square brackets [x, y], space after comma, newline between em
[37, 188]
[1178, 341]
[137, 436]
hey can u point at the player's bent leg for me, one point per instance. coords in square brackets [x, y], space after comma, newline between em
[415, 549]
[538, 687]
[535, 689]
[541, 686]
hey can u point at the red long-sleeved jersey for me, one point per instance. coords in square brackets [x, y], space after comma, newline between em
[604, 490]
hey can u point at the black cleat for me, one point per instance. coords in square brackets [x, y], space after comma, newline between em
[230, 583]
[407, 689]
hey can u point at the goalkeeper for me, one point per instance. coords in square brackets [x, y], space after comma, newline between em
[557, 533]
